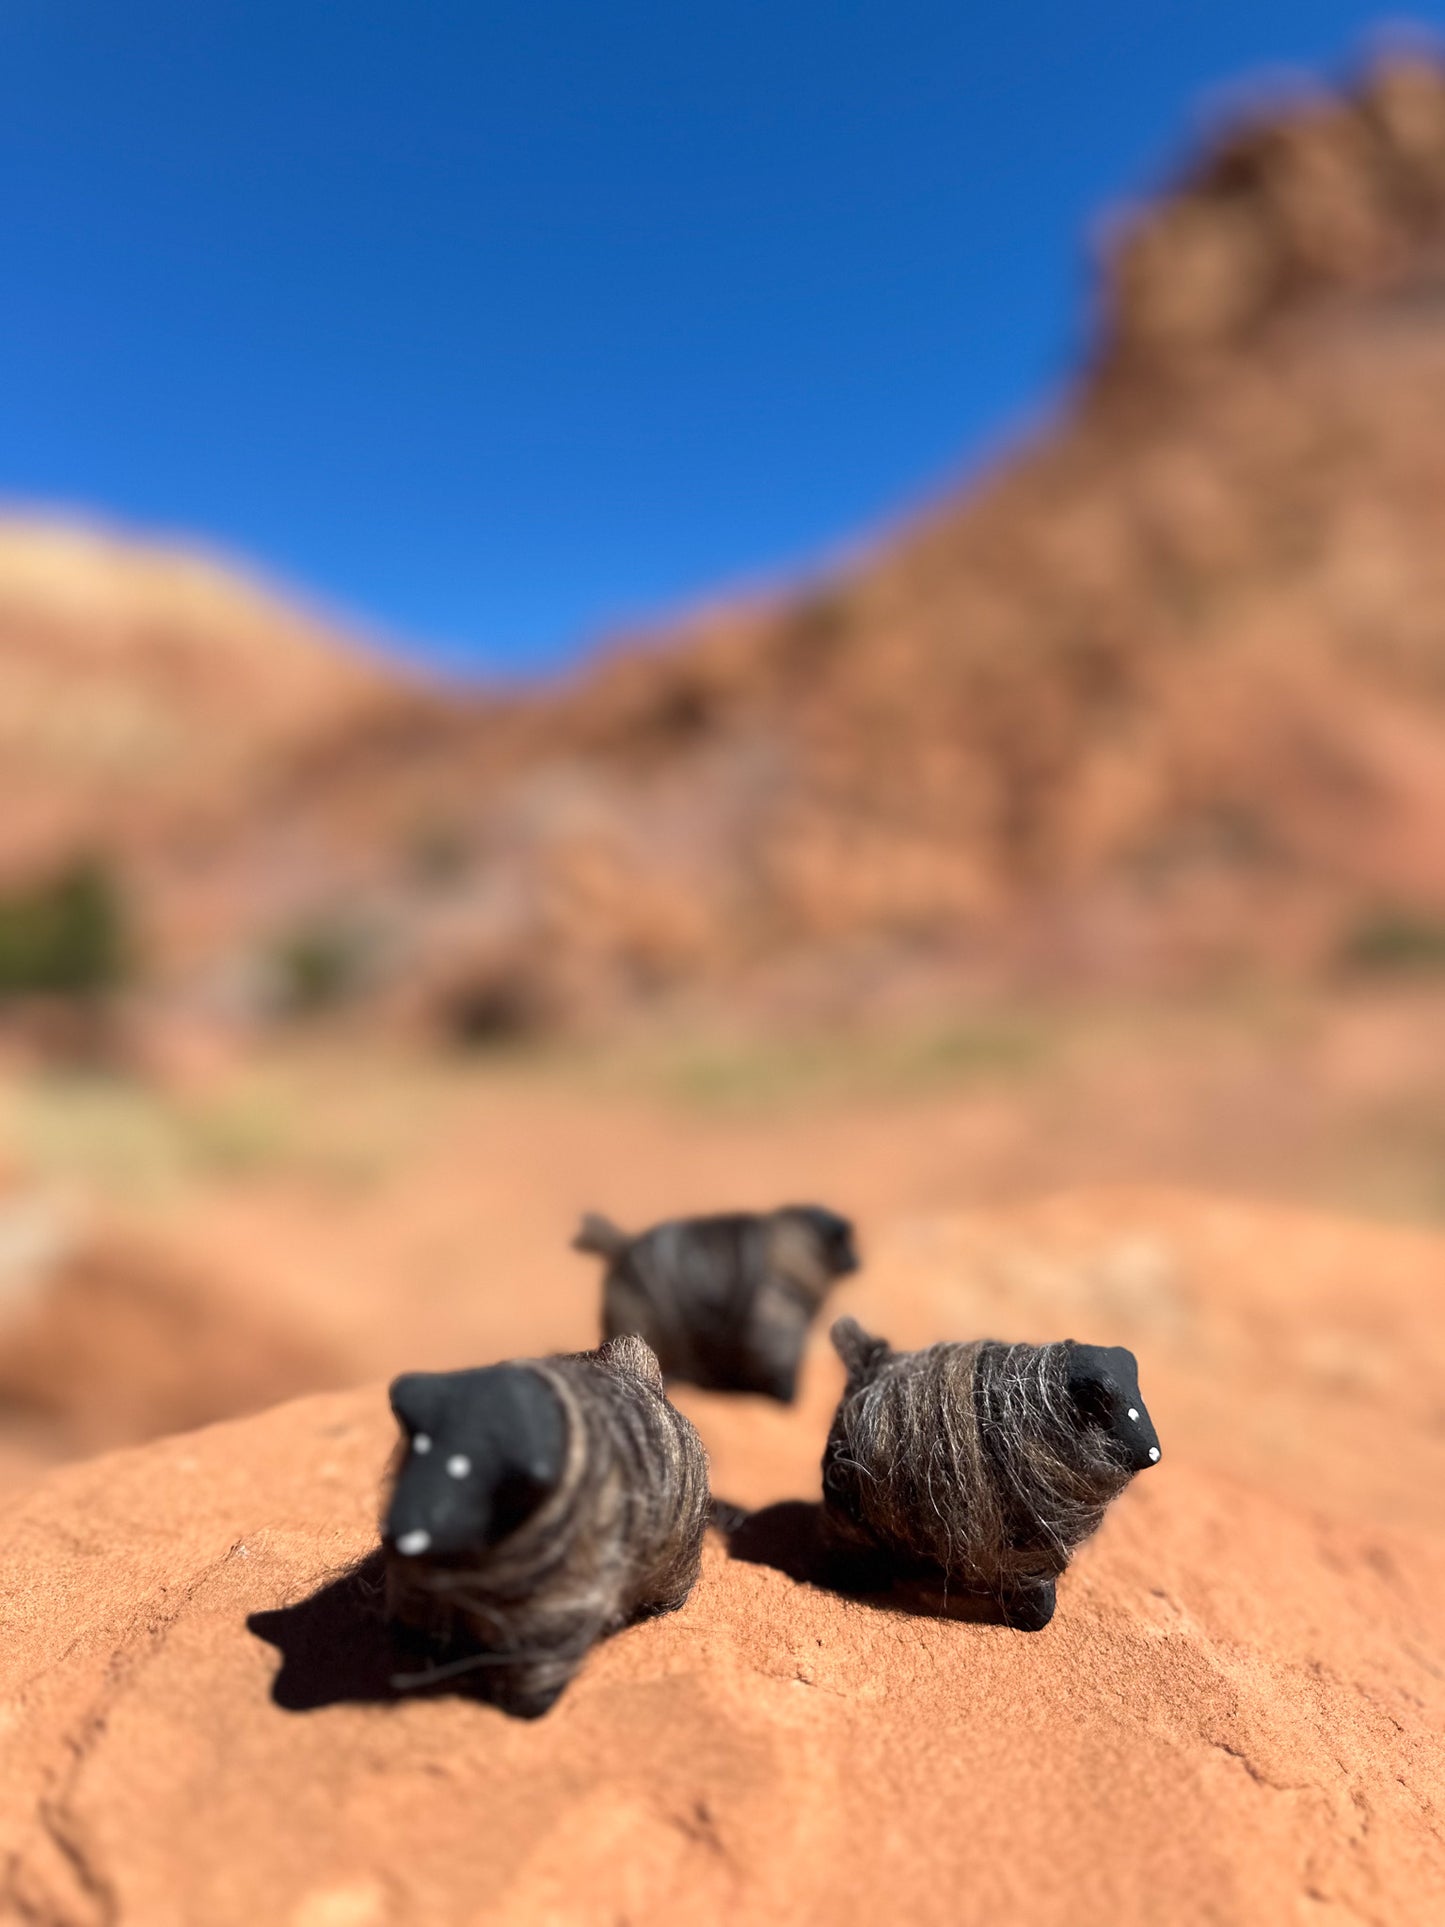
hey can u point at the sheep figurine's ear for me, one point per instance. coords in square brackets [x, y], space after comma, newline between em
[629, 1356]
[416, 1400]
[862, 1354]
[1103, 1382]
[601, 1237]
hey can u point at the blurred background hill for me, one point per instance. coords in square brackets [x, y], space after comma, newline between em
[1160, 698]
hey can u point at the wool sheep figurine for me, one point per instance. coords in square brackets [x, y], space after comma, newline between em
[983, 1464]
[536, 1507]
[725, 1302]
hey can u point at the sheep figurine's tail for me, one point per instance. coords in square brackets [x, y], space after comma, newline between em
[600, 1236]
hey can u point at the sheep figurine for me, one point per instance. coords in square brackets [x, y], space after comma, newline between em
[984, 1463]
[726, 1302]
[535, 1507]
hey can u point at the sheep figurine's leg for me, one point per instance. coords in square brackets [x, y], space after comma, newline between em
[532, 1687]
[1029, 1609]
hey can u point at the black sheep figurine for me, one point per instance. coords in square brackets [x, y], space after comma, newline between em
[725, 1302]
[983, 1464]
[536, 1507]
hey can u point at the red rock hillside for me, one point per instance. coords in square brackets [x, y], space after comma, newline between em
[1163, 693]
[147, 680]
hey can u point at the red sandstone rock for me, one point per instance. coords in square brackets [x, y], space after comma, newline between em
[1237, 1715]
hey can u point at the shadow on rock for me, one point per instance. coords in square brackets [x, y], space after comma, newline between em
[790, 1538]
[336, 1647]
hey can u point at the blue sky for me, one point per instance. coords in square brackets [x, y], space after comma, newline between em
[505, 323]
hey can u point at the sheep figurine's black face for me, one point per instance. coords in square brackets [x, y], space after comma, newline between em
[1103, 1382]
[481, 1451]
[832, 1235]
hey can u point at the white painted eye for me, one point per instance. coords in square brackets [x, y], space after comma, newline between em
[1132, 1413]
[1153, 1451]
[421, 1443]
[411, 1543]
[459, 1465]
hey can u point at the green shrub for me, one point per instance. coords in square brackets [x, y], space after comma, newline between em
[64, 936]
[496, 1009]
[1396, 941]
[438, 854]
[318, 966]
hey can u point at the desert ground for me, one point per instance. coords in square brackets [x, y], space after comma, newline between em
[330, 1213]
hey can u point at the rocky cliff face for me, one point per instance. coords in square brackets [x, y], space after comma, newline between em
[1164, 694]
[1327, 201]
[1165, 691]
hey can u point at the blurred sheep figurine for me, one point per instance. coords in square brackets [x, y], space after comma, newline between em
[725, 1302]
[985, 1464]
[536, 1507]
